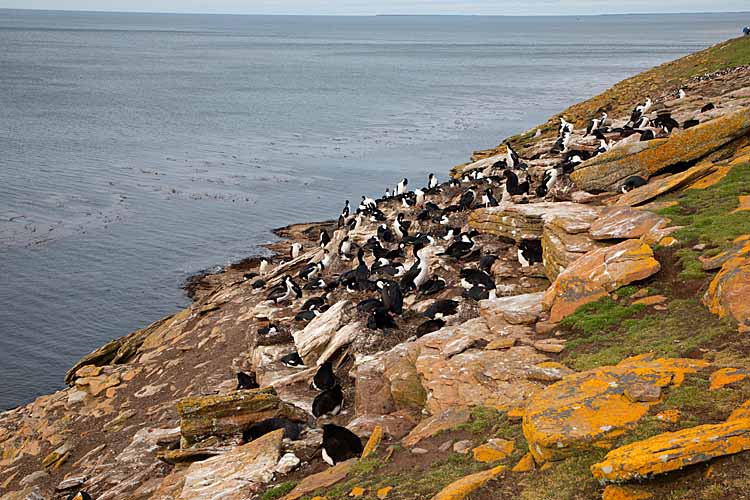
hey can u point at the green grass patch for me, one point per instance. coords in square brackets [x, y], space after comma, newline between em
[569, 479]
[600, 316]
[278, 491]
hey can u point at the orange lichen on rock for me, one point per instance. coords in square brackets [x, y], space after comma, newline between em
[383, 493]
[494, 450]
[660, 186]
[744, 204]
[374, 441]
[670, 416]
[357, 492]
[526, 464]
[651, 301]
[743, 411]
[740, 247]
[591, 407]
[673, 450]
[726, 376]
[728, 293]
[596, 274]
[614, 492]
[458, 490]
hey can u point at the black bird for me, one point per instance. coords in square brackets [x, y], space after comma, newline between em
[380, 319]
[368, 305]
[488, 200]
[529, 252]
[463, 247]
[347, 209]
[486, 263]
[550, 177]
[328, 402]
[246, 381]
[690, 123]
[293, 360]
[385, 234]
[314, 303]
[708, 107]
[513, 186]
[433, 286]
[292, 430]
[324, 378]
[319, 284]
[259, 283]
[340, 444]
[476, 293]
[390, 294]
[632, 182]
[467, 200]
[665, 121]
[429, 326]
[310, 271]
[286, 291]
[441, 309]
[268, 330]
[476, 277]
[324, 238]
[305, 316]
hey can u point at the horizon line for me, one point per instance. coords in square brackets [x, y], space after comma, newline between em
[373, 15]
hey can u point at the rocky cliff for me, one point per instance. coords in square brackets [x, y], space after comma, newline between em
[616, 367]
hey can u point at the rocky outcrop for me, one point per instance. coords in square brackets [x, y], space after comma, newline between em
[727, 295]
[596, 274]
[606, 172]
[658, 187]
[673, 450]
[515, 310]
[593, 407]
[313, 340]
[566, 238]
[228, 414]
[624, 223]
[526, 221]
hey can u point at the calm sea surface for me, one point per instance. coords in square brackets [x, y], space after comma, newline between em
[137, 149]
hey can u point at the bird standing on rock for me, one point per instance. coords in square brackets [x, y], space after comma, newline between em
[324, 378]
[285, 292]
[339, 444]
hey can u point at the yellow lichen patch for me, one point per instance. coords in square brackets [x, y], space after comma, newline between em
[516, 413]
[589, 407]
[668, 241]
[743, 411]
[673, 450]
[357, 492]
[526, 464]
[613, 492]
[744, 204]
[374, 441]
[652, 300]
[726, 376]
[670, 416]
[494, 450]
[712, 179]
[728, 293]
[460, 489]
[319, 498]
[383, 493]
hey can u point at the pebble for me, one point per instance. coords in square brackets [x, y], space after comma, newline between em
[463, 447]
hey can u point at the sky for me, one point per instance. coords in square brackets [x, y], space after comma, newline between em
[371, 7]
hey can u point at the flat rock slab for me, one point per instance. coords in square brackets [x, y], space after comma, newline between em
[516, 310]
[728, 292]
[740, 248]
[312, 341]
[592, 407]
[607, 171]
[596, 274]
[565, 239]
[458, 490]
[673, 450]
[660, 186]
[624, 223]
[324, 479]
[235, 474]
[443, 421]
[526, 221]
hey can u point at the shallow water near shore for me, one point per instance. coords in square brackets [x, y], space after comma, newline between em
[138, 149]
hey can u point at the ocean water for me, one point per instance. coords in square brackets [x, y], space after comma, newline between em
[138, 149]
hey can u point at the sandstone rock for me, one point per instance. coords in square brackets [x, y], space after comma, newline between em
[463, 447]
[607, 171]
[394, 425]
[743, 411]
[227, 414]
[726, 376]
[728, 292]
[618, 223]
[383, 493]
[312, 341]
[342, 337]
[190, 455]
[673, 450]
[502, 343]
[549, 371]
[552, 346]
[591, 407]
[642, 392]
[324, 479]
[493, 450]
[651, 301]
[613, 492]
[526, 464]
[739, 248]
[525, 221]
[287, 463]
[58, 457]
[598, 273]
[235, 474]
[30, 493]
[435, 424]
[660, 186]
[97, 385]
[372, 444]
[419, 451]
[519, 309]
[458, 490]
[564, 242]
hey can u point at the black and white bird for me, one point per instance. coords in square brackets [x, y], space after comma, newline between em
[467, 199]
[271, 329]
[328, 402]
[681, 94]
[315, 303]
[513, 186]
[418, 197]
[347, 209]
[345, 248]
[419, 272]
[488, 200]
[324, 238]
[367, 204]
[632, 182]
[401, 227]
[511, 157]
[294, 250]
[441, 309]
[324, 378]
[561, 145]
[529, 252]
[432, 181]
[246, 381]
[429, 326]
[264, 267]
[380, 319]
[640, 110]
[549, 179]
[292, 430]
[486, 263]
[642, 122]
[292, 360]
[565, 126]
[433, 286]
[286, 291]
[463, 247]
[401, 186]
[311, 271]
[391, 296]
[339, 444]
[476, 277]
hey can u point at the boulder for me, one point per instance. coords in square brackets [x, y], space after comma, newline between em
[566, 238]
[324, 479]
[494, 450]
[673, 450]
[614, 492]
[431, 426]
[591, 407]
[228, 414]
[728, 292]
[458, 490]
[516, 310]
[606, 172]
[660, 186]
[596, 274]
[622, 223]
[235, 474]
[739, 248]
[727, 376]
[312, 341]
[526, 221]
